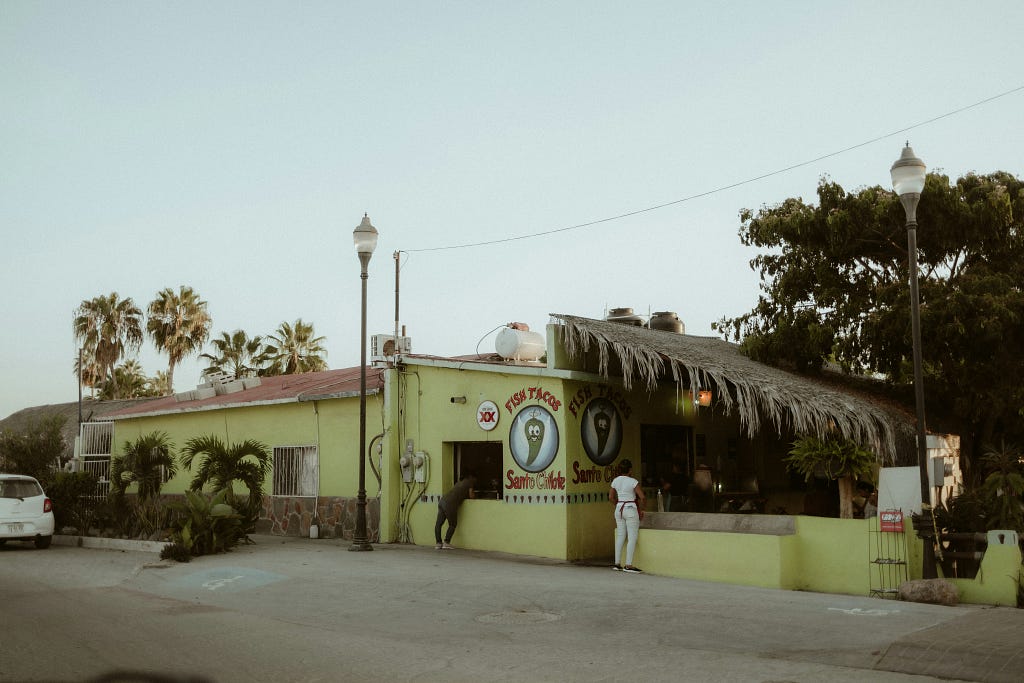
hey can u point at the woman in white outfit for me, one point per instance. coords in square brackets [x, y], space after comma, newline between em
[628, 499]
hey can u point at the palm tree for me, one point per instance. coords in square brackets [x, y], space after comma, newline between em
[91, 374]
[148, 462]
[236, 355]
[108, 327]
[129, 381]
[157, 385]
[220, 465]
[295, 350]
[179, 324]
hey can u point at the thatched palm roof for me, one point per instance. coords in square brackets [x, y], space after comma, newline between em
[758, 393]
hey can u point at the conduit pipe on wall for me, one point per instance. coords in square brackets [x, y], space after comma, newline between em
[373, 466]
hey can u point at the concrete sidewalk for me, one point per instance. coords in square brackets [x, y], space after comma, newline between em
[868, 634]
[984, 645]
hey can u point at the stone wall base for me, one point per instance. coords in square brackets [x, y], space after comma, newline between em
[292, 516]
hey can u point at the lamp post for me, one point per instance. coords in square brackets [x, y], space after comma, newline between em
[908, 174]
[365, 239]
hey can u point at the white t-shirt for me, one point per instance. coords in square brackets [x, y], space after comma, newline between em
[625, 486]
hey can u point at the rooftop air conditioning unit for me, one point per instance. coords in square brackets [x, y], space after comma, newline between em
[383, 346]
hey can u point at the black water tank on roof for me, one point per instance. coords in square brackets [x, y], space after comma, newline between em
[667, 321]
[624, 316]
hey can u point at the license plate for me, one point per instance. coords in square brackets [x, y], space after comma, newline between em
[15, 527]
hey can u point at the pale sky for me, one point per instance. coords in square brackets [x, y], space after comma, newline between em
[234, 146]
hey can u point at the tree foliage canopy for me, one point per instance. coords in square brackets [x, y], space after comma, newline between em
[236, 354]
[179, 324]
[108, 328]
[147, 461]
[295, 349]
[834, 280]
[221, 464]
[35, 450]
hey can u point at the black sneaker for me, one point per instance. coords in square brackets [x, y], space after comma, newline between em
[633, 570]
[617, 567]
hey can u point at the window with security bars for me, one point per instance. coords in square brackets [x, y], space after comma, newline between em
[295, 470]
[95, 438]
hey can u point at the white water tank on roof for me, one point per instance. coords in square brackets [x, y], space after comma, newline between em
[517, 342]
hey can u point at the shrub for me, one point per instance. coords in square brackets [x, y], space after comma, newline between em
[1003, 487]
[221, 465]
[206, 526]
[136, 517]
[965, 513]
[176, 552]
[72, 505]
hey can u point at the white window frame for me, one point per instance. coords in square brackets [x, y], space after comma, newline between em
[296, 471]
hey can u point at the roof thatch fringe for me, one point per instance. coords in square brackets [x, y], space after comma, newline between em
[757, 392]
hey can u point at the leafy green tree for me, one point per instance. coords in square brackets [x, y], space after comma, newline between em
[236, 355]
[179, 324]
[220, 465]
[108, 327]
[293, 350]
[834, 280]
[147, 462]
[1003, 487]
[35, 450]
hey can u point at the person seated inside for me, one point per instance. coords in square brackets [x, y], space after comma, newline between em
[865, 503]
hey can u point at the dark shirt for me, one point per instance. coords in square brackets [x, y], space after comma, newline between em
[458, 493]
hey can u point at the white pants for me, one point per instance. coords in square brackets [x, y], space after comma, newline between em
[627, 527]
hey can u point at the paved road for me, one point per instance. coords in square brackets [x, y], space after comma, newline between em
[304, 610]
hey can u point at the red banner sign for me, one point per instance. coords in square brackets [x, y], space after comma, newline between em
[890, 520]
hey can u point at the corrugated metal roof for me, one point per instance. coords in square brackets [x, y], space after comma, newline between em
[308, 386]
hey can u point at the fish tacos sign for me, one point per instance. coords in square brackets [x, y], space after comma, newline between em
[533, 435]
[601, 410]
[534, 438]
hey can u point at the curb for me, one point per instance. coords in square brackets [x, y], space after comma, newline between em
[109, 543]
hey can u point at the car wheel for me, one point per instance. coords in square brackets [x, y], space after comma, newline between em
[43, 541]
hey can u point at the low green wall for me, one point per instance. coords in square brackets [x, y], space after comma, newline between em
[776, 551]
[748, 559]
[813, 554]
[831, 556]
[796, 553]
[999, 575]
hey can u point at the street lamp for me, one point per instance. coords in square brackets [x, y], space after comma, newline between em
[365, 239]
[908, 174]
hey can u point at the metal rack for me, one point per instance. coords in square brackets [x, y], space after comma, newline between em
[887, 553]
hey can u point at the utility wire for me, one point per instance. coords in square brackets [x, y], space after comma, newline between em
[723, 187]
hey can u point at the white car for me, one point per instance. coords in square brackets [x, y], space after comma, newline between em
[26, 514]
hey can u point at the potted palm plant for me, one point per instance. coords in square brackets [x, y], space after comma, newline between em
[833, 458]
